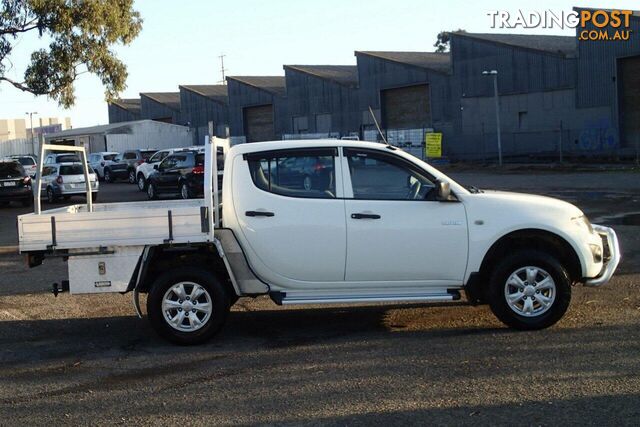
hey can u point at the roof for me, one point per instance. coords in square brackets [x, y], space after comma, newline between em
[346, 75]
[217, 93]
[170, 99]
[129, 104]
[112, 128]
[272, 84]
[560, 45]
[440, 62]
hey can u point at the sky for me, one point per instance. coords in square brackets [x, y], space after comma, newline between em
[180, 41]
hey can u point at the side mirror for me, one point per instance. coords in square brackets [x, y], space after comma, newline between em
[155, 167]
[443, 191]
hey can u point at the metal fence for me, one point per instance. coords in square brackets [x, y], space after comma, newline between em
[18, 146]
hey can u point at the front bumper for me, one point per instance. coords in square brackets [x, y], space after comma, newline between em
[612, 256]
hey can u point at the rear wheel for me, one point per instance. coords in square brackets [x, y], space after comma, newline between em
[142, 183]
[132, 177]
[152, 191]
[107, 176]
[187, 305]
[529, 290]
[51, 196]
[185, 193]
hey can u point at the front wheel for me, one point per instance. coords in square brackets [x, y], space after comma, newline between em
[131, 179]
[185, 193]
[187, 305]
[142, 183]
[152, 191]
[529, 290]
[51, 196]
[107, 176]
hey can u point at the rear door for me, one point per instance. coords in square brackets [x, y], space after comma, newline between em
[167, 178]
[290, 232]
[396, 231]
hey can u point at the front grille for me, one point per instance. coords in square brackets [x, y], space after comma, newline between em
[606, 250]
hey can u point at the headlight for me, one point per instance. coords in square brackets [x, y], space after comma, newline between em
[583, 221]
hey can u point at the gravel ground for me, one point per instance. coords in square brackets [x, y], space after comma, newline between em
[87, 360]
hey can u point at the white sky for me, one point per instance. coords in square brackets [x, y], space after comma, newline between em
[180, 41]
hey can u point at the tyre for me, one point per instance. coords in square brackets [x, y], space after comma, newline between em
[94, 196]
[107, 176]
[185, 193]
[131, 178]
[529, 290]
[142, 183]
[152, 191]
[187, 305]
[51, 196]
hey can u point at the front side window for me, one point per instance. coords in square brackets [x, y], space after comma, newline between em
[184, 161]
[158, 157]
[380, 176]
[169, 163]
[308, 173]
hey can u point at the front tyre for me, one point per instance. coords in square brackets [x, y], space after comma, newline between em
[529, 290]
[152, 191]
[131, 178]
[142, 183]
[187, 305]
[185, 193]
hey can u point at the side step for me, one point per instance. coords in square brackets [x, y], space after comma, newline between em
[284, 298]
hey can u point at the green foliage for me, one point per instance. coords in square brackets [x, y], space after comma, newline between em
[443, 39]
[82, 34]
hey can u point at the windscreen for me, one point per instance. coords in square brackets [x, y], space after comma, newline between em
[26, 161]
[11, 170]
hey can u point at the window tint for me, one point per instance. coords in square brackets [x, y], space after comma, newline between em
[25, 161]
[169, 163]
[295, 173]
[109, 156]
[184, 160]
[71, 170]
[199, 159]
[378, 176]
[147, 154]
[68, 158]
[47, 170]
[11, 170]
[158, 157]
[129, 155]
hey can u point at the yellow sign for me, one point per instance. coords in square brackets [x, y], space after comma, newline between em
[434, 145]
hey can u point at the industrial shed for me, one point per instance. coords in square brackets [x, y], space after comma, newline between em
[124, 110]
[124, 136]
[161, 107]
[257, 107]
[201, 104]
[322, 100]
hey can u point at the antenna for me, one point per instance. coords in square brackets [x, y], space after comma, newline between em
[222, 69]
[373, 116]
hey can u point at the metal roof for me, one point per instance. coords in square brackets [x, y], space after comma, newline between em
[560, 45]
[170, 99]
[112, 128]
[346, 75]
[440, 62]
[129, 104]
[272, 84]
[217, 93]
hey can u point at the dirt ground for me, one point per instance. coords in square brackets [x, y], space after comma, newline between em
[89, 360]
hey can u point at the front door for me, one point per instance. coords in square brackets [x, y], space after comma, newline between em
[293, 233]
[396, 231]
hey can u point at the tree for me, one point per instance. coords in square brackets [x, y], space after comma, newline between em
[443, 39]
[81, 35]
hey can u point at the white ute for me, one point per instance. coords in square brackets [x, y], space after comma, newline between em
[327, 221]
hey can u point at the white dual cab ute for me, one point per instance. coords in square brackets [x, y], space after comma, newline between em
[327, 221]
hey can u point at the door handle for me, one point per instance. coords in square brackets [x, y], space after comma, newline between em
[258, 213]
[364, 216]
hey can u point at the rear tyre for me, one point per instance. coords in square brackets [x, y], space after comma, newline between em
[107, 176]
[132, 177]
[187, 305]
[152, 191]
[185, 193]
[142, 183]
[51, 196]
[529, 290]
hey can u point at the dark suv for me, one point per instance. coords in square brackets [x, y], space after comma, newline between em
[15, 183]
[125, 164]
[179, 173]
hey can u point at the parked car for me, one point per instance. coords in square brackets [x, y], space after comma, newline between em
[385, 227]
[61, 158]
[63, 180]
[15, 183]
[28, 162]
[179, 173]
[98, 161]
[125, 164]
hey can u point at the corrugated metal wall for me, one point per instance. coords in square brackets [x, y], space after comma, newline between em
[118, 114]
[150, 135]
[153, 110]
[242, 95]
[197, 110]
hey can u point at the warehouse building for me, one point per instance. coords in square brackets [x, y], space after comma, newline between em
[257, 108]
[204, 104]
[161, 107]
[124, 110]
[322, 101]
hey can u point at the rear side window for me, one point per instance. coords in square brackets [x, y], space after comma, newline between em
[308, 173]
[10, 170]
[147, 154]
[71, 170]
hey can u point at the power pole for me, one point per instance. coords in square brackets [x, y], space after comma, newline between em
[33, 143]
[222, 69]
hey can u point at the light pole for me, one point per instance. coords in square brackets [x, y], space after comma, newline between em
[33, 143]
[494, 73]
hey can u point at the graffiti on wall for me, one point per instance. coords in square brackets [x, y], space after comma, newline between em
[598, 135]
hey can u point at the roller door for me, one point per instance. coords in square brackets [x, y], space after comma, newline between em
[258, 123]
